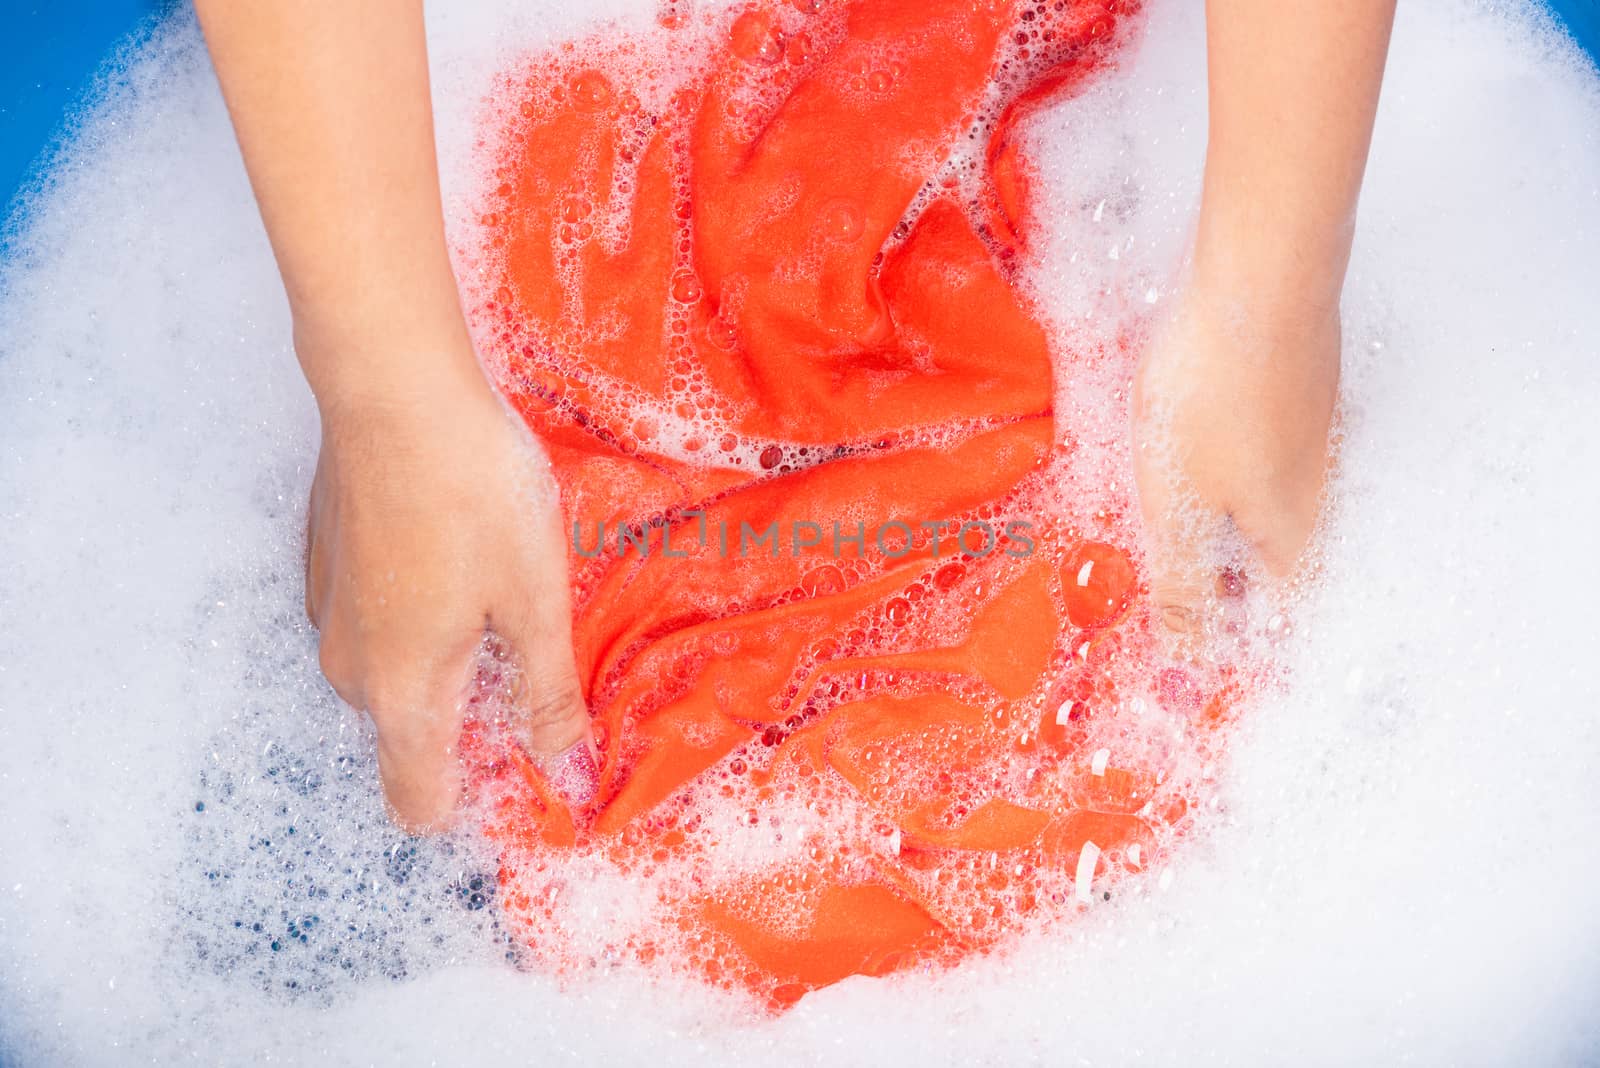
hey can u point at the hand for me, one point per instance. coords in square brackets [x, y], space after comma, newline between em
[1233, 406]
[433, 521]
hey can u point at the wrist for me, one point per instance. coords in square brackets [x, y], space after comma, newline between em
[355, 371]
[1267, 336]
[1262, 308]
[1286, 264]
[384, 333]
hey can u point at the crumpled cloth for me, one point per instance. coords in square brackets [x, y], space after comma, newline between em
[765, 269]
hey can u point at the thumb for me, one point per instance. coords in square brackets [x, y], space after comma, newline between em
[1184, 578]
[546, 691]
[1182, 539]
[1280, 530]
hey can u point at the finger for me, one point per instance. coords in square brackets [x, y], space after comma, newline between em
[557, 728]
[1184, 578]
[1182, 539]
[310, 601]
[546, 688]
[313, 569]
[316, 583]
[418, 716]
[1280, 537]
[1280, 531]
[418, 765]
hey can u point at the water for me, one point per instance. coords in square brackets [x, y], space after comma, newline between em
[1399, 867]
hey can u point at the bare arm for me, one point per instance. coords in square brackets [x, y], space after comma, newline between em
[432, 521]
[1293, 89]
[330, 101]
[1235, 397]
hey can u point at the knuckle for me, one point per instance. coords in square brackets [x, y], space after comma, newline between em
[395, 703]
[406, 740]
[335, 668]
[414, 747]
[553, 704]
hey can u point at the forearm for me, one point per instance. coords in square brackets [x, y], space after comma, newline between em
[1293, 88]
[331, 104]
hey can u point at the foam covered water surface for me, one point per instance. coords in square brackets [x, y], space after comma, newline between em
[193, 859]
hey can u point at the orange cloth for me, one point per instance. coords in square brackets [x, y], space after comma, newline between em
[780, 289]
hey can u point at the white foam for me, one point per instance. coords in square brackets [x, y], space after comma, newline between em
[1398, 866]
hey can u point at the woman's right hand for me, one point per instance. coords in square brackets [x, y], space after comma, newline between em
[434, 520]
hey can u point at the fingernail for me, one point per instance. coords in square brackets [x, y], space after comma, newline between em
[575, 771]
[1180, 619]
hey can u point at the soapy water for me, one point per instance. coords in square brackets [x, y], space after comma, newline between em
[1016, 781]
[1397, 861]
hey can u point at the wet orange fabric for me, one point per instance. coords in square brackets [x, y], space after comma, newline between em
[781, 288]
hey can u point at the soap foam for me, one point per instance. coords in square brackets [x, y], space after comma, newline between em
[1397, 863]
